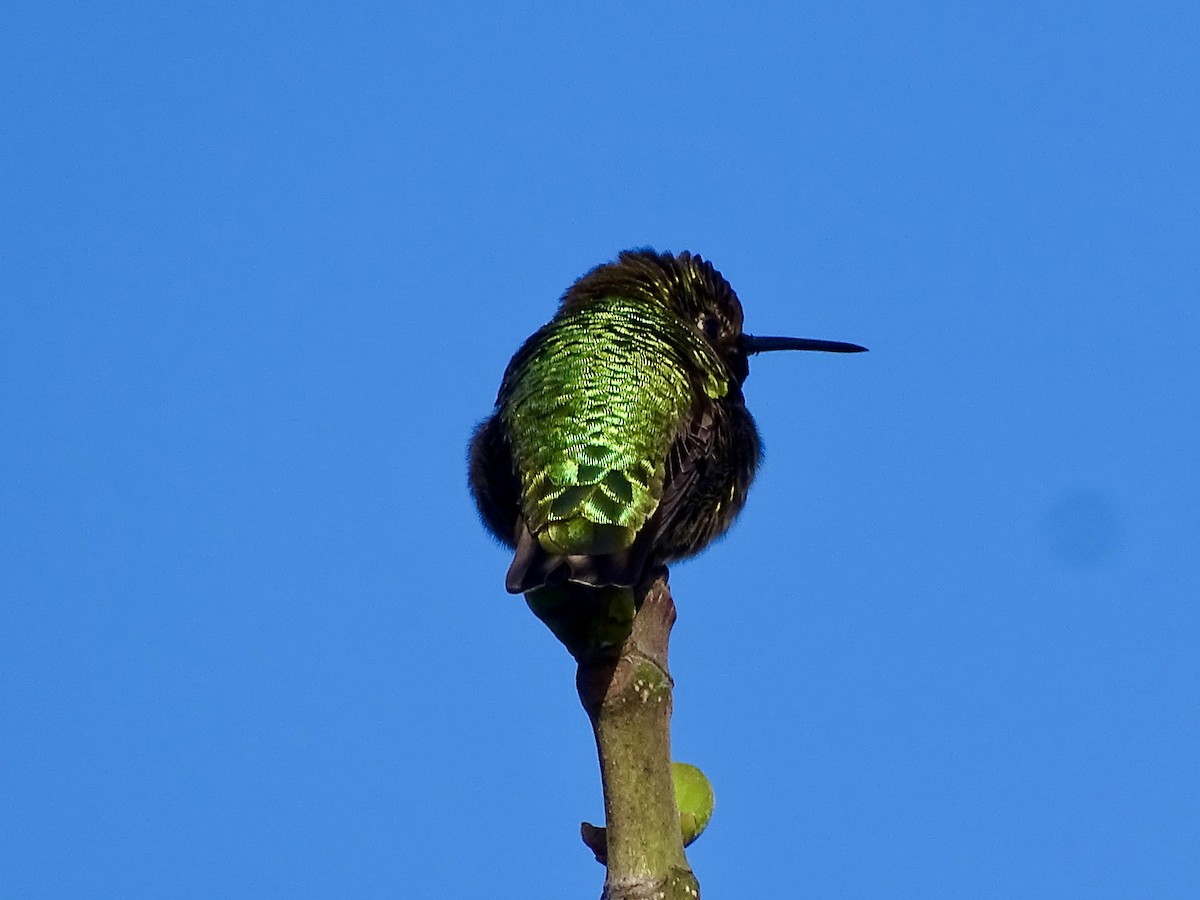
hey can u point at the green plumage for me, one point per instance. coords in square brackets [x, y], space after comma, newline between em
[620, 439]
[592, 405]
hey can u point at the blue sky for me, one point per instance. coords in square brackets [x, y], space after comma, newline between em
[263, 268]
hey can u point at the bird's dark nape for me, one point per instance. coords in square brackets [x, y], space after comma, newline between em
[647, 275]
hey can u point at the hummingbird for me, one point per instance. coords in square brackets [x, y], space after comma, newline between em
[620, 438]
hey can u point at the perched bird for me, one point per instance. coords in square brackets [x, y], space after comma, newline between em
[620, 438]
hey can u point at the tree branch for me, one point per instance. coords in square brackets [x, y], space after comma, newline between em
[626, 691]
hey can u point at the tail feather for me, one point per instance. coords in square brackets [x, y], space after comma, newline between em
[533, 567]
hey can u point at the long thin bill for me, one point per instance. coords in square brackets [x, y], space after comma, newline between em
[754, 344]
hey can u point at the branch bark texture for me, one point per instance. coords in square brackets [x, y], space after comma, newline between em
[626, 691]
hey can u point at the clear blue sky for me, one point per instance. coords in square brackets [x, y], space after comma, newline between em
[262, 269]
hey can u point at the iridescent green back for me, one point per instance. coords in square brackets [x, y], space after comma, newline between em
[592, 405]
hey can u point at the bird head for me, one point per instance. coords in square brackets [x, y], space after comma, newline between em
[692, 288]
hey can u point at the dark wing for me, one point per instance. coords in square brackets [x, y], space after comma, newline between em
[708, 473]
[709, 470]
[494, 483]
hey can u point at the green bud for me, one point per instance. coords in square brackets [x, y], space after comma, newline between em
[694, 797]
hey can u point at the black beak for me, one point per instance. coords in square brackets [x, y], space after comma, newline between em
[752, 345]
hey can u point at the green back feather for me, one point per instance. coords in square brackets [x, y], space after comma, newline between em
[592, 406]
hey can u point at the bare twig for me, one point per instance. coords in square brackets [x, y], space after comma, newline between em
[626, 692]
